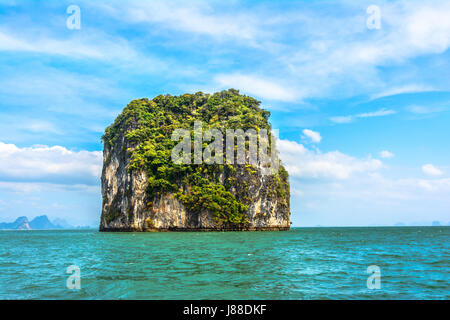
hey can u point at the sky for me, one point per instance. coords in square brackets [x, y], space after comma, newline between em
[359, 92]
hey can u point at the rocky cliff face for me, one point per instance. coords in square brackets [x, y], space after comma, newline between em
[144, 191]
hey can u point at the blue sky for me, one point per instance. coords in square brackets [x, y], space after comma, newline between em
[363, 114]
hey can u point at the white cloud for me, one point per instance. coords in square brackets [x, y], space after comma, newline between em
[338, 189]
[344, 58]
[49, 164]
[313, 135]
[264, 88]
[337, 58]
[308, 164]
[386, 154]
[431, 170]
[428, 28]
[347, 119]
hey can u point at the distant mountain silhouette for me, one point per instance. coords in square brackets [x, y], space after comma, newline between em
[42, 223]
[21, 223]
[39, 223]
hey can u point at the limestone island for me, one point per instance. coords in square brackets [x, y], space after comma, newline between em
[143, 189]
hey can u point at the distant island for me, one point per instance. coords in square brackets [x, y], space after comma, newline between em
[38, 223]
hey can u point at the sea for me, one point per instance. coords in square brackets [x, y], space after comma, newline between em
[303, 263]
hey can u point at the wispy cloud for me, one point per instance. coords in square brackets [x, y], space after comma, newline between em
[403, 90]
[341, 63]
[351, 118]
[98, 45]
[334, 59]
[198, 18]
[36, 187]
[74, 47]
[39, 126]
[423, 110]
[60, 91]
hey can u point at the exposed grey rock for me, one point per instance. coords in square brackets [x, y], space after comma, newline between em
[124, 193]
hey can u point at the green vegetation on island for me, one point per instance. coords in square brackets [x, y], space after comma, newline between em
[147, 125]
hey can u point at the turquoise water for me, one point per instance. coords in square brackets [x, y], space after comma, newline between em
[304, 263]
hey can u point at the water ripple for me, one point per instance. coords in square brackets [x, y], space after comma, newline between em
[304, 263]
